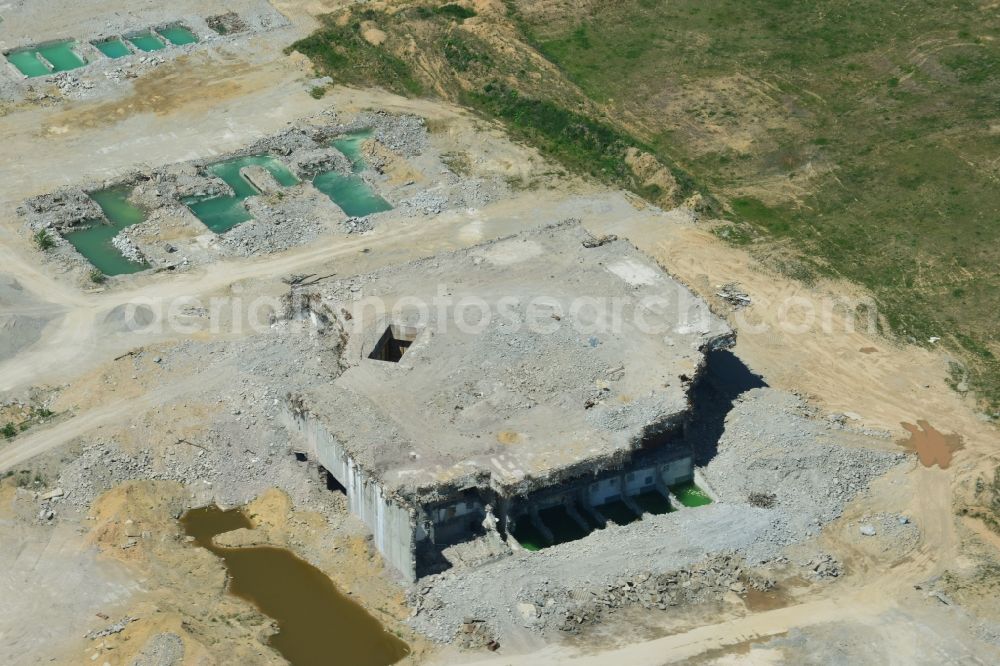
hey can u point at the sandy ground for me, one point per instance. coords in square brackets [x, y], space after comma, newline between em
[55, 578]
[187, 110]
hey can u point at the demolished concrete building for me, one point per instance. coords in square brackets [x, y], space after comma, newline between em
[546, 371]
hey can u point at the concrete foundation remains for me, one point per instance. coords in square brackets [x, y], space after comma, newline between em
[531, 386]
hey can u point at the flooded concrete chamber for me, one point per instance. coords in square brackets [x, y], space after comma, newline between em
[538, 381]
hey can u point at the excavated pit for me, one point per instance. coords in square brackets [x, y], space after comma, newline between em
[94, 240]
[222, 213]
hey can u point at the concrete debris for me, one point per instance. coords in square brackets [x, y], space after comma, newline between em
[124, 243]
[598, 241]
[52, 494]
[359, 225]
[824, 566]
[732, 294]
[61, 210]
[425, 203]
[770, 438]
[164, 649]
[771, 444]
[244, 449]
[115, 628]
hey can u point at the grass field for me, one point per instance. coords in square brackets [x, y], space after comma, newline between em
[867, 133]
[865, 136]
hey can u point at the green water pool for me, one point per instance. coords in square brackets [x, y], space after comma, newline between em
[350, 193]
[619, 512]
[113, 48]
[147, 41]
[350, 146]
[690, 495]
[61, 56]
[528, 535]
[229, 171]
[178, 35]
[28, 62]
[93, 241]
[220, 214]
[653, 502]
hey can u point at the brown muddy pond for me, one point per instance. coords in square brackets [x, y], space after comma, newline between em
[931, 446]
[316, 623]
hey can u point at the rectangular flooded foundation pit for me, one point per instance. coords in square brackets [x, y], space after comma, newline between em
[146, 41]
[653, 502]
[113, 47]
[177, 34]
[222, 213]
[350, 192]
[528, 535]
[619, 512]
[45, 59]
[62, 56]
[94, 240]
[28, 62]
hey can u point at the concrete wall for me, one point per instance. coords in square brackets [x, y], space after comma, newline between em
[637, 480]
[601, 491]
[634, 481]
[393, 526]
[677, 471]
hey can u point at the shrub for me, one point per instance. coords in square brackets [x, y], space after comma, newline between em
[44, 239]
[457, 12]
[8, 430]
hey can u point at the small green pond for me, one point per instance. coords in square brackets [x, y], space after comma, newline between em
[61, 56]
[222, 213]
[351, 193]
[690, 495]
[93, 241]
[350, 146]
[147, 41]
[28, 62]
[178, 35]
[113, 48]
[47, 59]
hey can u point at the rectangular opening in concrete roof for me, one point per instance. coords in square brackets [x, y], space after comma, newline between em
[393, 343]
